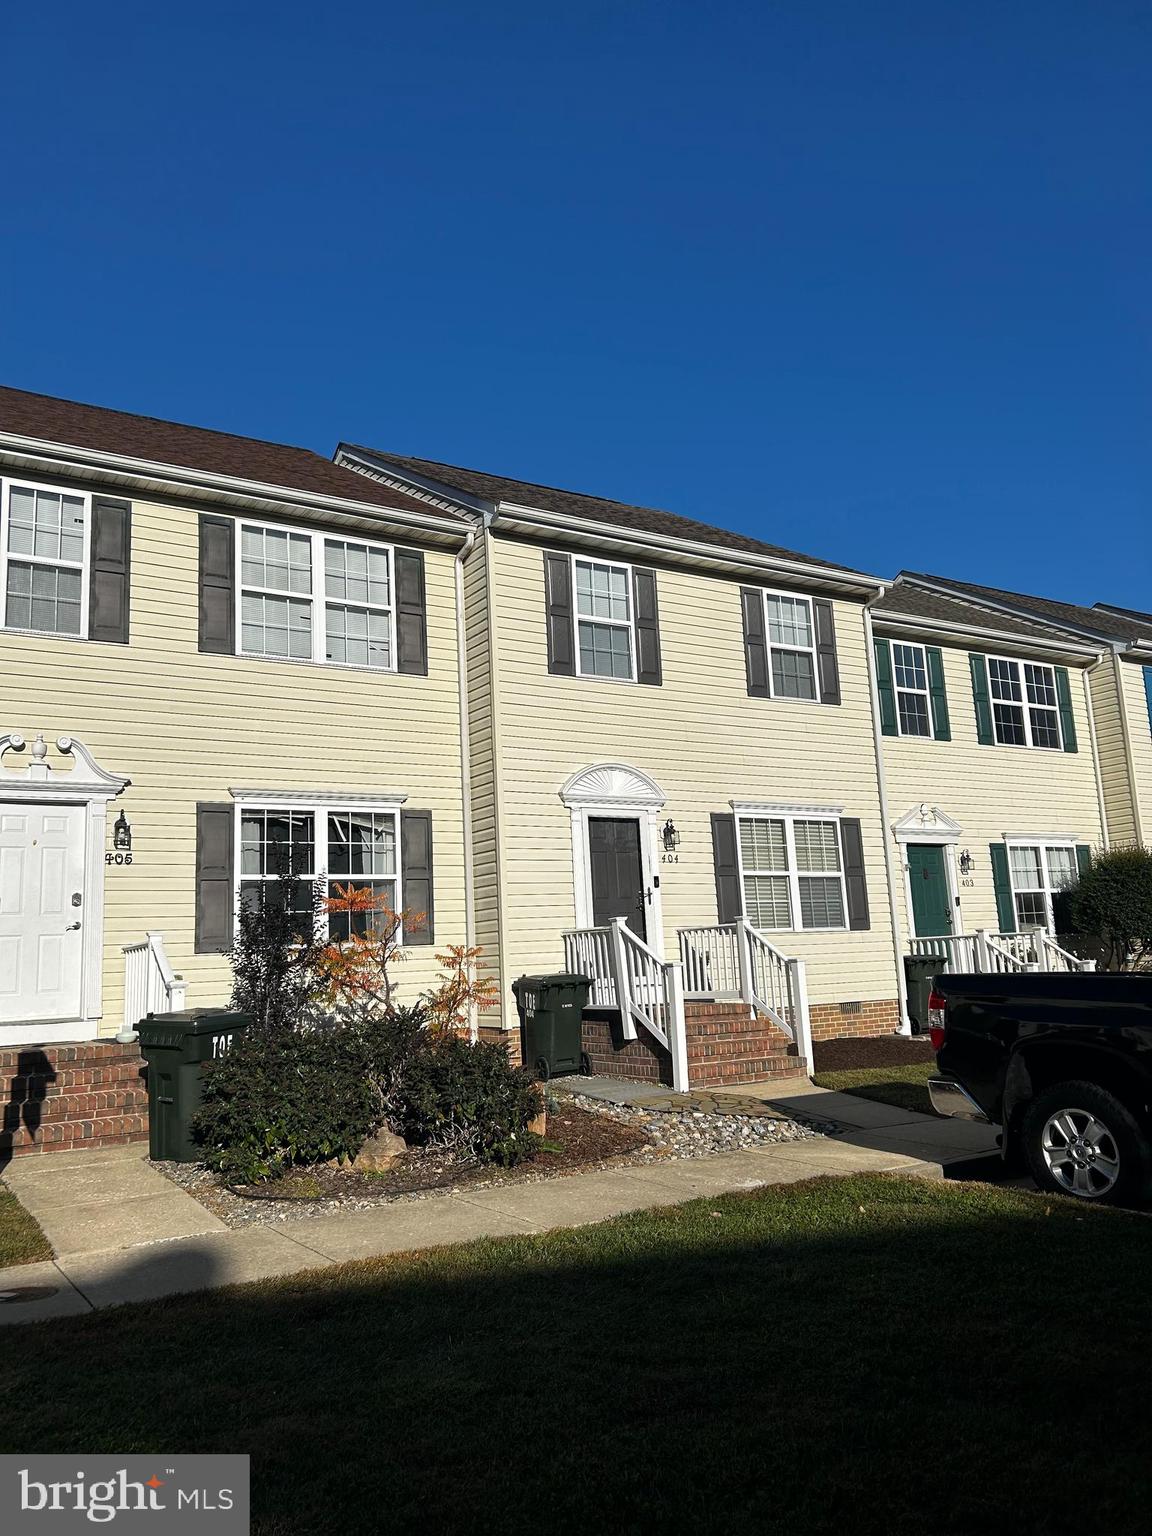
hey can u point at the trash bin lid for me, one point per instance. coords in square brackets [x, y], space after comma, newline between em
[198, 1021]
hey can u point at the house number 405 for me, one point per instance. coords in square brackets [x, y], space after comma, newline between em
[117, 858]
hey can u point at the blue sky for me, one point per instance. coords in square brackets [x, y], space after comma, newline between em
[870, 281]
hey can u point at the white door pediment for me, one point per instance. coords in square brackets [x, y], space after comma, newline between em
[927, 824]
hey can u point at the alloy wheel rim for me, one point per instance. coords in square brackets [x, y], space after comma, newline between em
[1081, 1153]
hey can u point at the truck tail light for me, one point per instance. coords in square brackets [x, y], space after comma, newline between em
[936, 1019]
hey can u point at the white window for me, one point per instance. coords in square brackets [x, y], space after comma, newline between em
[1038, 871]
[791, 632]
[605, 644]
[339, 847]
[1025, 706]
[44, 540]
[792, 872]
[311, 597]
[910, 680]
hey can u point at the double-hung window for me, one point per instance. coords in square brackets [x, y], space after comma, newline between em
[604, 620]
[312, 597]
[791, 632]
[44, 540]
[1025, 704]
[910, 681]
[339, 847]
[1038, 871]
[792, 872]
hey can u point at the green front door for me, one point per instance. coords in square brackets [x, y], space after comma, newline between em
[931, 901]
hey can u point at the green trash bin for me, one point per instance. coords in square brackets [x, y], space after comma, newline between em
[919, 971]
[551, 1008]
[176, 1046]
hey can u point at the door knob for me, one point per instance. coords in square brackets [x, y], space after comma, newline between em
[71, 928]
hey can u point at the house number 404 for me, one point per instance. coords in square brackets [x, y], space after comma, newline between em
[669, 858]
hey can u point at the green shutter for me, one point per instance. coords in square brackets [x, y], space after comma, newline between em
[884, 690]
[941, 727]
[1064, 699]
[1002, 885]
[982, 700]
[1083, 859]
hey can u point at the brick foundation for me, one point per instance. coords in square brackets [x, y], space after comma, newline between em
[643, 1060]
[65, 1098]
[831, 1021]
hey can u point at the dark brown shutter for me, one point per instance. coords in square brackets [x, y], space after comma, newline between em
[411, 613]
[827, 667]
[726, 865]
[1067, 718]
[416, 864]
[558, 604]
[217, 584]
[755, 641]
[214, 880]
[647, 627]
[854, 877]
[108, 595]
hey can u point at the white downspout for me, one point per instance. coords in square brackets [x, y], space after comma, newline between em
[1087, 675]
[1126, 726]
[466, 763]
[885, 826]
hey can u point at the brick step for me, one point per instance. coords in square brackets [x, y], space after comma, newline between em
[703, 1029]
[709, 1010]
[714, 1073]
[717, 1050]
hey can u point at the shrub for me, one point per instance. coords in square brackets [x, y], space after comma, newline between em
[1112, 901]
[471, 1098]
[274, 954]
[286, 1096]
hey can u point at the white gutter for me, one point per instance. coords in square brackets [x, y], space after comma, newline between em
[181, 477]
[885, 825]
[1088, 672]
[1056, 645]
[1126, 725]
[466, 763]
[718, 554]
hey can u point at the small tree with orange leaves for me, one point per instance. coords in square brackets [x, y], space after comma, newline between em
[462, 987]
[356, 972]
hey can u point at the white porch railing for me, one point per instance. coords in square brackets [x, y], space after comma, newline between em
[150, 984]
[647, 990]
[736, 960]
[1032, 950]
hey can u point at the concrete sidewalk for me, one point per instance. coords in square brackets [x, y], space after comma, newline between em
[123, 1232]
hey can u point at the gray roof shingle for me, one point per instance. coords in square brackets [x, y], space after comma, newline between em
[1107, 623]
[906, 601]
[197, 448]
[618, 514]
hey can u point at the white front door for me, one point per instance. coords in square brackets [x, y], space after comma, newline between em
[41, 933]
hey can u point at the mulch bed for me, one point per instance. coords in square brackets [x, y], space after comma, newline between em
[581, 1138]
[884, 1051]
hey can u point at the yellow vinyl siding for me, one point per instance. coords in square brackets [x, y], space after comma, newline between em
[991, 790]
[1112, 753]
[486, 868]
[703, 741]
[187, 727]
[1140, 739]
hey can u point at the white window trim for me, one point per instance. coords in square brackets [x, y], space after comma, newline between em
[1047, 890]
[770, 646]
[792, 873]
[1030, 744]
[925, 693]
[317, 597]
[320, 807]
[629, 623]
[85, 566]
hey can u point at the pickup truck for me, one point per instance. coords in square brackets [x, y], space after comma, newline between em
[1063, 1064]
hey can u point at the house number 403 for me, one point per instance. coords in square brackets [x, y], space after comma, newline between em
[117, 858]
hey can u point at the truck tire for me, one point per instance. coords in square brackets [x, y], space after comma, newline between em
[1080, 1140]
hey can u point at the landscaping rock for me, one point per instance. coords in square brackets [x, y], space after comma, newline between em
[378, 1153]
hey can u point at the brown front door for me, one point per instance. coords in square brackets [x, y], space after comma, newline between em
[617, 872]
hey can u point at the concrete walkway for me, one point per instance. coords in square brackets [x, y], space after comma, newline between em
[123, 1232]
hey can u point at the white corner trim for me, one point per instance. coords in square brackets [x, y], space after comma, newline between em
[927, 824]
[386, 801]
[783, 808]
[615, 786]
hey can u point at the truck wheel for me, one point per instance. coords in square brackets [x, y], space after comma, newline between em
[1080, 1140]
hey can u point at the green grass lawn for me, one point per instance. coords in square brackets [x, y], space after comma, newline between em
[904, 1086]
[850, 1356]
[21, 1240]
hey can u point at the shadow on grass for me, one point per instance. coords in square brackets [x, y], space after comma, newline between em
[853, 1355]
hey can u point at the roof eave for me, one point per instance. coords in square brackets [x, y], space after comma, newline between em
[535, 520]
[86, 463]
[1011, 643]
[1016, 610]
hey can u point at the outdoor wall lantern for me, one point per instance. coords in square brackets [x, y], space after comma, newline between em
[965, 862]
[670, 837]
[122, 833]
